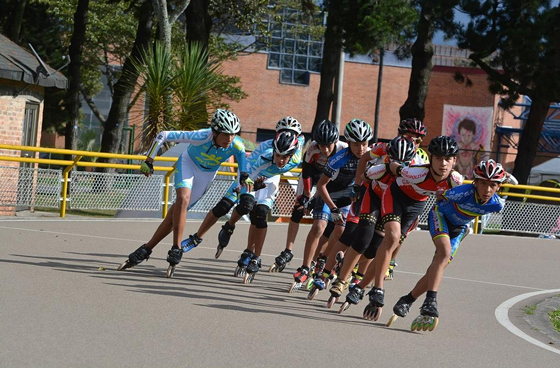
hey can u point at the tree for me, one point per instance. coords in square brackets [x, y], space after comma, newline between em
[73, 95]
[517, 43]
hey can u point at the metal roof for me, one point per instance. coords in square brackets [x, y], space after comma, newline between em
[19, 65]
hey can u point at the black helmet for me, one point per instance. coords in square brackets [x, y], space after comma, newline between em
[443, 146]
[325, 133]
[401, 149]
[412, 125]
[285, 143]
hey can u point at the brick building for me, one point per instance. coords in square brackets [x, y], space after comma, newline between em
[22, 92]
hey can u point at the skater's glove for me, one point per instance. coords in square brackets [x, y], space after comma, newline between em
[336, 215]
[147, 168]
[301, 202]
[259, 184]
[356, 193]
[309, 205]
[244, 178]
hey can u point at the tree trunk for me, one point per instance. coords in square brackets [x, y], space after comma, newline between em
[422, 52]
[73, 94]
[118, 114]
[197, 30]
[529, 140]
[164, 26]
[331, 55]
[18, 20]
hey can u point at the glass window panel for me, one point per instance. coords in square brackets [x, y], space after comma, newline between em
[301, 62]
[315, 65]
[286, 61]
[275, 44]
[315, 49]
[273, 60]
[286, 76]
[301, 48]
[301, 77]
[289, 46]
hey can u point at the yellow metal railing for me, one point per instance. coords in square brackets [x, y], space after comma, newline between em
[70, 164]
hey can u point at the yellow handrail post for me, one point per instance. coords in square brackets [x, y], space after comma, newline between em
[65, 185]
[476, 224]
[166, 191]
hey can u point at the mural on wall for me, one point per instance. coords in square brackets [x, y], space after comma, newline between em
[472, 128]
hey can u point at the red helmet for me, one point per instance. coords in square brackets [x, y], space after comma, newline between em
[412, 125]
[490, 170]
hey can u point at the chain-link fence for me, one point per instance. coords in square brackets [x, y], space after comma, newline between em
[21, 186]
[30, 187]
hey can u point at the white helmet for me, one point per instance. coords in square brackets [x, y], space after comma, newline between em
[357, 131]
[224, 121]
[288, 123]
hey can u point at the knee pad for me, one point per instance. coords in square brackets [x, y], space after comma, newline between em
[222, 208]
[297, 215]
[245, 205]
[258, 216]
[364, 235]
[328, 230]
[371, 251]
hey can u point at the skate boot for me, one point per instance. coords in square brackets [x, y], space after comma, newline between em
[339, 261]
[223, 238]
[317, 285]
[401, 309]
[281, 261]
[252, 269]
[355, 294]
[300, 278]
[390, 270]
[191, 242]
[134, 258]
[372, 311]
[336, 291]
[173, 257]
[428, 318]
[319, 266]
[243, 263]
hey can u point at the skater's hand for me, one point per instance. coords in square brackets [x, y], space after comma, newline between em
[147, 168]
[301, 202]
[308, 207]
[259, 183]
[337, 216]
[248, 185]
[356, 193]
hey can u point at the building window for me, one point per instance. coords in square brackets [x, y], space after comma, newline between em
[296, 49]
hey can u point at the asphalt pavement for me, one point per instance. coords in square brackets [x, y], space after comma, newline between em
[64, 304]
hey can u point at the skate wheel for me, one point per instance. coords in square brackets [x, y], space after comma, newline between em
[344, 307]
[123, 266]
[281, 268]
[170, 271]
[294, 287]
[392, 320]
[272, 268]
[417, 324]
[309, 283]
[328, 283]
[237, 271]
[433, 323]
[248, 278]
[312, 293]
[332, 299]
[372, 313]
[219, 252]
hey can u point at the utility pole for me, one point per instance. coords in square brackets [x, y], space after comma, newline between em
[378, 96]
[337, 105]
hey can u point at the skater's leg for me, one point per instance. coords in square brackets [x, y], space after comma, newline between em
[163, 229]
[440, 261]
[180, 214]
[293, 228]
[383, 256]
[258, 219]
[312, 240]
[334, 246]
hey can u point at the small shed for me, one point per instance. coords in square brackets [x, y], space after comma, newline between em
[24, 81]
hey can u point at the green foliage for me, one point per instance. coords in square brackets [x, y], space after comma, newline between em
[555, 318]
[530, 309]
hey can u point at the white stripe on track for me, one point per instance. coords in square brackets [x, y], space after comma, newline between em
[502, 317]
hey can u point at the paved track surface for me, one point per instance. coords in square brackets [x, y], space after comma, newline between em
[57, 309]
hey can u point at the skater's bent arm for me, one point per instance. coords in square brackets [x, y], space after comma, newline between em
[322, 190]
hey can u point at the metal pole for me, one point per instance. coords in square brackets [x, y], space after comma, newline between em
[339, 81]
[378, 97]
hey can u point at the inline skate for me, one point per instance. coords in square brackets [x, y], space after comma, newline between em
[281, 261]
[355, 294]
[223, 238]
[243, 263]
[135, 258]
[191, 242]
[400, 309]
[174, 256]
[373, 310]
[428, 318]
[390, 270]
[336, 291]
[252, 270]
[300, 278]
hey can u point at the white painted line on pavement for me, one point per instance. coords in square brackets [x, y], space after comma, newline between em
[502, 317]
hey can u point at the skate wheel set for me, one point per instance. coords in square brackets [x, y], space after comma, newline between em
[219, 252]
[295, 286]
[171, 271]
[392, 320]
[123, 266]
[276, 268]
[332, 299]
[344, 307]
[248, 278]
[372, 313]
[239, 271]
[313, 292]
[424, 323]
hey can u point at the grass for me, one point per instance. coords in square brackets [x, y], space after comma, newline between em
[555, 319]
[91, 213]
[530, 309]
